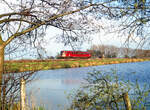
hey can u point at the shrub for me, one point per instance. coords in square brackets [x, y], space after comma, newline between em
[106, 90]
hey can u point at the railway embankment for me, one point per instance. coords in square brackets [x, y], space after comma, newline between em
[35, 65]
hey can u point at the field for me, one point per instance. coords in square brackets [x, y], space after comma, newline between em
[34, 65]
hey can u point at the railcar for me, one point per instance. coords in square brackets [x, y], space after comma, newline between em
[75, 54]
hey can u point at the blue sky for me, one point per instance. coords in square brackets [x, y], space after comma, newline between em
[102, 37]
[52, 47]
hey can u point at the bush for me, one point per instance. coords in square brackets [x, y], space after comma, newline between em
[106, 90]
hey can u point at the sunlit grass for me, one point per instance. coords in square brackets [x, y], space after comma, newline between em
[33, 65]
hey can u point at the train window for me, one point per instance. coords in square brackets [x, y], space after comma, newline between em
[76, 52]
[82, 53]
[61, 52]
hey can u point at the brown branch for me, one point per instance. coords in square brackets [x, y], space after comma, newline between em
[44, 22]
[11, 20]
[24, 13]
[9, 14]
[1, 40]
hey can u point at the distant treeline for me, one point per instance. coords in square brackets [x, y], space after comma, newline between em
[110, 51]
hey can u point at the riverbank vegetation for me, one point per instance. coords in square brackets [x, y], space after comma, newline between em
[110, 91]
[23, 25]
[34, 65]
[111, 51]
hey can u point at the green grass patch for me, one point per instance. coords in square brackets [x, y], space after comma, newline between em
[20, 66]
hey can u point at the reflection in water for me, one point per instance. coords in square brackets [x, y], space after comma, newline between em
[72, 81]
[50, 88]
[51, 92]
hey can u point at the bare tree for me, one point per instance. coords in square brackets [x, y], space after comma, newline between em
[131, 21]
[25, 21]
[11, 89]
[108, 51]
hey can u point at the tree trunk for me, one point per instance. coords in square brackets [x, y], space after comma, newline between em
[1, 68]
[23, 94]
[127, 101]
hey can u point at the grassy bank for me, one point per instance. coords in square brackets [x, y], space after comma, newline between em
[33, 65]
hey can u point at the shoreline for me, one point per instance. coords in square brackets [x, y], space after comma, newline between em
[15, 66]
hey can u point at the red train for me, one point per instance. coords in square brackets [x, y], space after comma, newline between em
[74, 54]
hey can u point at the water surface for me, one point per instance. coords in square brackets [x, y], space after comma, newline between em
[51, 87]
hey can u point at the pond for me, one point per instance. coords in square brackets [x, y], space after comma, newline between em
[50, 88]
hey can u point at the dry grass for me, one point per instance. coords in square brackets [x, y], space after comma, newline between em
[34, 65]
